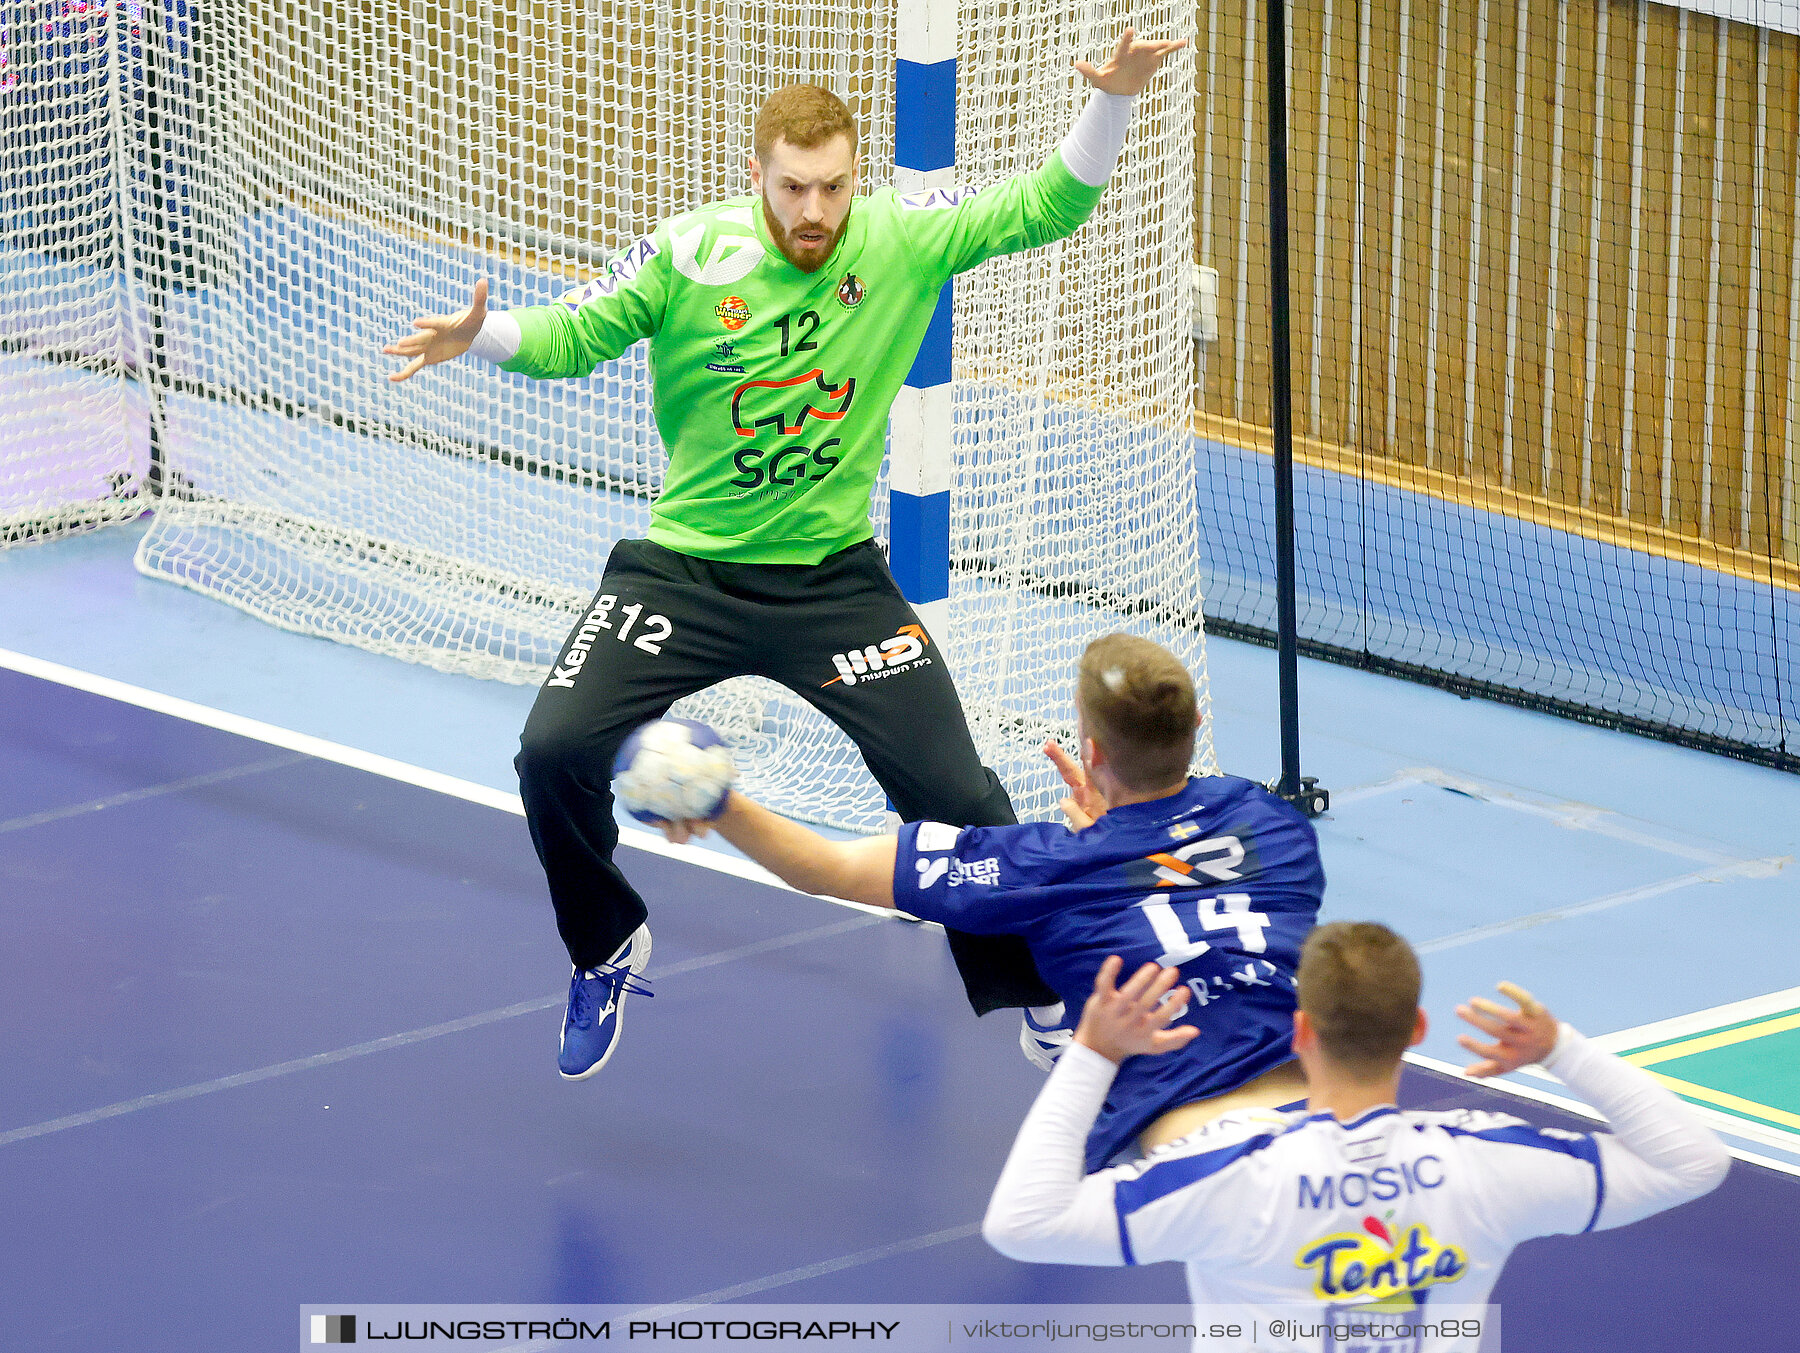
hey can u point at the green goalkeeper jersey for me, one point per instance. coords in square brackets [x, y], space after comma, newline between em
[773, 385]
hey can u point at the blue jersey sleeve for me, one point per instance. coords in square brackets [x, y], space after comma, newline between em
[972, 878]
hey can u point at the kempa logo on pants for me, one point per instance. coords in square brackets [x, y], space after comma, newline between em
[903, 652]
[655, 629]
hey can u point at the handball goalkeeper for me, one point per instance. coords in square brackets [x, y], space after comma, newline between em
[781, 327]
[1214, 876]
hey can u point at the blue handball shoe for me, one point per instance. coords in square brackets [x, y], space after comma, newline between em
[596, 1007]
[1044, 1034]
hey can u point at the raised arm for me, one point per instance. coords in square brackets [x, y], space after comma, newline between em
[584, 328]
[438, 338]
[1043, 1209]
[595, 323]
[1660, 1153]
[953, 231]
[857, 871]
[1132, 65]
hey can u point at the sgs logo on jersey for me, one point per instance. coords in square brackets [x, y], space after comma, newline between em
[783, 409]
[776, 472]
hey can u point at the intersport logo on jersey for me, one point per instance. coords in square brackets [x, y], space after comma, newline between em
[902, 653]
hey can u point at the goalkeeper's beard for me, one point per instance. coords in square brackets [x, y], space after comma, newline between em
[805, 258]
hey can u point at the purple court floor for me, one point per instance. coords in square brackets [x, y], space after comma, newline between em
[281, 1032]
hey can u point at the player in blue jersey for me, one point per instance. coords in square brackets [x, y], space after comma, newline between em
[1215, 876]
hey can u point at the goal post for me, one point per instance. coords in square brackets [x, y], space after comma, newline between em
[365, 164]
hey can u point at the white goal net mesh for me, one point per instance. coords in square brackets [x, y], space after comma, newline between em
[216, 215]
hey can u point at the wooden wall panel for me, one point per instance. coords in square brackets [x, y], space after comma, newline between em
[1779, 422]
[1544, 247]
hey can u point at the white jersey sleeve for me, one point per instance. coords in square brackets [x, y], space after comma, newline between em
[1518, 1180]
[1210, 1197]
[1531, 1181]
[1660, 1153]
[1043, 1210]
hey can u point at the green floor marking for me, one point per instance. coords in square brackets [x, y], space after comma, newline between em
[1748, 1068]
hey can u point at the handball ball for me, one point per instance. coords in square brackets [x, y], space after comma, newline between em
[673, 770]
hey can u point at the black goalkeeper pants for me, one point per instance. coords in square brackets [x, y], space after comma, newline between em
[837, 633]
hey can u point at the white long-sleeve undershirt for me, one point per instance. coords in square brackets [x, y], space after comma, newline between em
[1659, 1154]
[1091, 149]
[499, 338]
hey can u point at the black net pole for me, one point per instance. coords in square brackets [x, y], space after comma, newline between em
[1304, 793]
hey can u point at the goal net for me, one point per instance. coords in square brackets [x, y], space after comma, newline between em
[222, 212]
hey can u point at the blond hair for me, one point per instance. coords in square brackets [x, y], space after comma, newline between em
[1358, 983]
[1138, 703]
[806, 117]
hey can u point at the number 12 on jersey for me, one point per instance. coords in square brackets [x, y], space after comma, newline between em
[1228, 911]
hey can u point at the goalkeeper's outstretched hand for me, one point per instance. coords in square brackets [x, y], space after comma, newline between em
[1131, 66]
[439, 337]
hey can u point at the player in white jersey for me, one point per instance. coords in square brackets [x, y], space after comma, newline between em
[1350, 1208]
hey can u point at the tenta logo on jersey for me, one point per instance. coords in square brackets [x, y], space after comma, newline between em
[1380, 1262]
[902, 653]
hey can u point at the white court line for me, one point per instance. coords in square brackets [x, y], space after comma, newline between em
[1577, 817]
[1701, 1021]
[406, 1039]
[1563, 812]
[1755, 869]
[375, 764]
[1720, 1121]
[1357, 793]
[50, 815]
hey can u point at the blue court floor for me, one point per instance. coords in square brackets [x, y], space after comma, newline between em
[280, 1030]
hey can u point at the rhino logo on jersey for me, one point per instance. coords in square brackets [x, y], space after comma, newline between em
[731, 259]
[783, 407]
